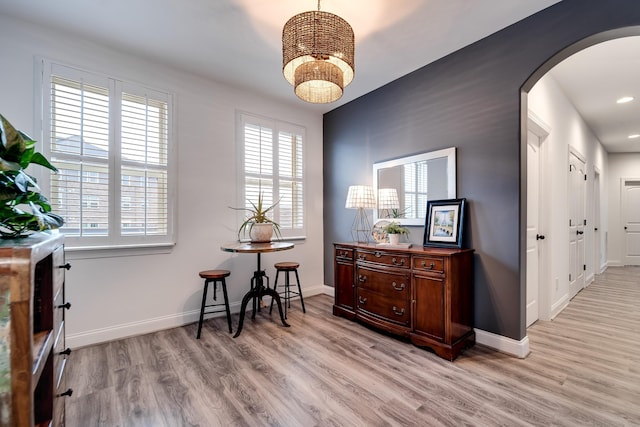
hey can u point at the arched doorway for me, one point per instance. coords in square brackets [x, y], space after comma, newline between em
[568, 135]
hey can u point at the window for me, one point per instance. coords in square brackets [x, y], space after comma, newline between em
[272, 157]
[110, 141]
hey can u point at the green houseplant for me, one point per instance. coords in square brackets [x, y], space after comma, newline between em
[257, 214]
[23, 209]
[394, 230]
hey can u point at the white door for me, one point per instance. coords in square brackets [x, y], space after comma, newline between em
[577, 222]
[533, 227]
[631, 220]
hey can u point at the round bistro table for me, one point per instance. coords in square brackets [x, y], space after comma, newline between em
[258, 289]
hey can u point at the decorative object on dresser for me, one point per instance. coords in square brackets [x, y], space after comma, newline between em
[360, 197]
[444, 223]
[18, 190]
[424, 294]
[32, 332]
[394, 231]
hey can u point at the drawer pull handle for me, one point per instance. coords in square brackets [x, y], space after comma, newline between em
[67, 266]
[362, 300]
[431, 266]
[395, 261]
[398, 288]
[362, 279]
[69, 392]
[66, 305]
[398, 313]
[378, 254]
[65, 352]
[362, 257]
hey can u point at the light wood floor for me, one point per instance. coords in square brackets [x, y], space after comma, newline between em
[584, 370]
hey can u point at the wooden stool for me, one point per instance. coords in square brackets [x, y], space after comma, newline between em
[287, 267]
[215, 276]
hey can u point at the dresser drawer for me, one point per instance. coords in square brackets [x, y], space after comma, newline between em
[428, 263]
[343, 254]
[394, 308]
[384, 258]
[383, 281]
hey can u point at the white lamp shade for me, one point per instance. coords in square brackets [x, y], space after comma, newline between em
[360, 196]
[388, 199]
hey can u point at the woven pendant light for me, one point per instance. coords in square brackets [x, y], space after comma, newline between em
[317, 55]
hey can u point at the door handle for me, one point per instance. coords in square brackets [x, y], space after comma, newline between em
[539, 236]
[580, 232]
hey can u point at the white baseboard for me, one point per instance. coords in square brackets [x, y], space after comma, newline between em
[560, 305]
[146, 326]
[503, 344]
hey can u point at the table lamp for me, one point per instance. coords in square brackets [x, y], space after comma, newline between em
[360, 197]
[388, 200]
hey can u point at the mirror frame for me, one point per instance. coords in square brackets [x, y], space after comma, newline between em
[449, 153]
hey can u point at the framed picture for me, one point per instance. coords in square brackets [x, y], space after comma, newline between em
[444, 223]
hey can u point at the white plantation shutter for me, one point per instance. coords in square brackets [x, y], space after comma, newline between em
[272, 155]
[110, 142]
[144, 147]
[80, 150]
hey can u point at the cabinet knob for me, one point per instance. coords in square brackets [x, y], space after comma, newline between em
[67, 266]
[65, 352]
[66, 305]
[69, 392]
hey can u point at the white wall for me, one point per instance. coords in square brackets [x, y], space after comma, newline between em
[118, 296]
[621, 165]
[567, 129]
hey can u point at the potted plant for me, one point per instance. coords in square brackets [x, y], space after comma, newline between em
[257, 223]
[23, 209]
[394, 230]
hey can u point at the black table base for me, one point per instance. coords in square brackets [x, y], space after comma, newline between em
[258, 290]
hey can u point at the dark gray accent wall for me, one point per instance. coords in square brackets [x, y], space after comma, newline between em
[470, 99]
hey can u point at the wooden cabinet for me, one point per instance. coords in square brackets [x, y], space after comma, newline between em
[424, 294]
[344, 275]
[32, 337]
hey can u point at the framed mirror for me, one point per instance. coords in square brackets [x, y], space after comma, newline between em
[415, 179]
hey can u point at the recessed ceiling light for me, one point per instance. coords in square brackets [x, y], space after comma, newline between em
[625, 99]
[634, 136]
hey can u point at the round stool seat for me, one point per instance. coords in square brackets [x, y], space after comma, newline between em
[214, 274]
[290, 266]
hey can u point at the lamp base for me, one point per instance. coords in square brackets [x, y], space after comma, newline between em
[361, 229]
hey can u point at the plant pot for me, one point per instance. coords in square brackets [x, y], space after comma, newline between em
[394, 239]
[261, 232]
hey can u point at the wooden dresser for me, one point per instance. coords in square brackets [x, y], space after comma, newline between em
[32, 337]
[425, 294]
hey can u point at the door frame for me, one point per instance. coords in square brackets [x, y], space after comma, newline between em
[623, 212]
[538, 126]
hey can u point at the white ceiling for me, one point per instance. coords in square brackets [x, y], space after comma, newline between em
[594, 78]
[238, 42]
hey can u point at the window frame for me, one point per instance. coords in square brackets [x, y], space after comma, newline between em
[276, 126]
[104, 245]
